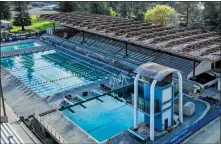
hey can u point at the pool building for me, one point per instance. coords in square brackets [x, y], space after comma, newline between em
[84, 85]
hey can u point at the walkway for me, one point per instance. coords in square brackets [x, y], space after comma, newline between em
[23, 132]
[67, 129]
[208, 134]
[17, 97]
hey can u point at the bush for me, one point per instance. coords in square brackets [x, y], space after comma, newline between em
[160, 14]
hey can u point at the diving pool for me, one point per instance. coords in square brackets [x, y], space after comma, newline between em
[19, 46]
[103, 120]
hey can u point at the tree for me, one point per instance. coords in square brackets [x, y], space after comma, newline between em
[211, 13]
[123, 9]
[160, 14]
[22, 17]
[5, 12]
[99, 8]
[66, 6]
[112, 12]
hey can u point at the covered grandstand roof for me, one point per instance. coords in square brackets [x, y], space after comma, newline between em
[180, 41]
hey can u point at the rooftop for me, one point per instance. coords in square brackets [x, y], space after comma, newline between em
[181, 41]
[154, 71]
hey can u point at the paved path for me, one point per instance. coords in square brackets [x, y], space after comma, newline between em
[67, 129]
[23, 132]
[208, 134]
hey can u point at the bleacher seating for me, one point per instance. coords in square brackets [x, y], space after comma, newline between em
[136, 55]
[8, 135]
[65, 32]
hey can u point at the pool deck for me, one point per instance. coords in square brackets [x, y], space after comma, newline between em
[56, 99]
[19, 101]
[19, 127]
[208, 134]
[67, 129]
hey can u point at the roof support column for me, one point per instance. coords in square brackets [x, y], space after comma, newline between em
[180, 97]
[194, 67]
[53, 27]
[152, 88]
[83, 37]
[126, 50]
[135, 101]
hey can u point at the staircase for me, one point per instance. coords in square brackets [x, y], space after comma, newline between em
[8, 135]
[37, 128]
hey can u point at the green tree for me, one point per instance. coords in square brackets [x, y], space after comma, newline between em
[211, 13]
[5, 12]
[160, 14]
[22, 17]
[112, 12]
[123, 9]
[113, 5]
[99, 8]
[66, 6]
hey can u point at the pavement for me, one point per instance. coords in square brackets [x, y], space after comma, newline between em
[69, 131]
[37, 11]
[19, 100]
[19, 127]
[208, 134]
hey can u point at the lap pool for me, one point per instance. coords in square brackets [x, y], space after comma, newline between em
[51, 72]
[103, 119]
[19, 46]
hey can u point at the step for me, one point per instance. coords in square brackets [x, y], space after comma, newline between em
[135, 134]
[7, 133]
[3, 136]
[18, 140]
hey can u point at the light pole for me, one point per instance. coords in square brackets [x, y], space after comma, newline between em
[4, 118]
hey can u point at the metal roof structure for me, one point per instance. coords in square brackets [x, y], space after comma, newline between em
[180, 41]
[154, 71]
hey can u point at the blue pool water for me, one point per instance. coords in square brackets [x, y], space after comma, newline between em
[52, 72]
[19, 46]
[103, 120]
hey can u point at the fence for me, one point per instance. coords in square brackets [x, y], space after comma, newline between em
[21, 36]
[51, 130]
[194, 127]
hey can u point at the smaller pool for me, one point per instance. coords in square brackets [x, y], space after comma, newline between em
[19, 46]
[103, 118]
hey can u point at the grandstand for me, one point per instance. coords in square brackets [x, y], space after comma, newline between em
[142, 34]
[133, 43]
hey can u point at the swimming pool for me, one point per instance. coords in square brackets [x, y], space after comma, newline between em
[51, 72]
[19, 46]
[103, 120]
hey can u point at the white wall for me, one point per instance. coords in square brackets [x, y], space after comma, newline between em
[167, 94]
[201, 68]
[165, 115]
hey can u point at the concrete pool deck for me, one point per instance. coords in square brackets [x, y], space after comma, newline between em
[208, 134]
[19, 101]
[19, 127]
[67, 129]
